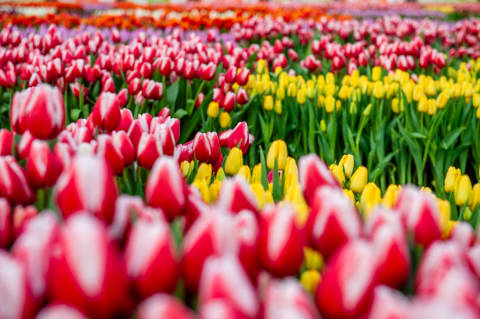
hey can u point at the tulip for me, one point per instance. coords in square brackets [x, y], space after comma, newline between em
[87, 185]
[60, 311]
[347, 163]
[242, 96]
[310, 280]
[451, 178]
[390, 245]
[17, 299]
[277, 153]
[122, 142]
[152, 267]
[106, 112]
[106, 149]
[234, 161]
[419, 214]
[213, 109]
[163, 306]
[5, 223]
[224, 278]
[335, 297]
[152, 90]
[237, 137]
[33, 247]
[21, 216]
[463, 190]
[13, 184]
[333, 220]
[313, 174]
[229, 101]
[359, 180]
[281, 256]
[39, 110]
[43, 168]
[6, 142]
[286, 299]
[235, 196]
[165, 187]
[206, 147]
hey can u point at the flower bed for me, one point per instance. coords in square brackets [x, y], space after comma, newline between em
[298, 167]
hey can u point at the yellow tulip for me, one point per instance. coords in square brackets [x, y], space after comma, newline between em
[225, 120]
[245, 172]
[347, 162]
[202, 186]
[451, 179]
[329, 104]
[475, 200]
[378, 90]
[257, 174]
[445, 211]
[220, 176]
[376, 73]
[313, 260]
[463, 190]
[204, 172]
[349, 194]
[359, 180]
[186, 168]
[310, 280]
[259, 192]
[371, 196]
[277, 153]
[302, 96]
[268, 102]
[234, 161]
[278, 106]
[337, 172]
[390, 195]
[213, 109]
[214, 190]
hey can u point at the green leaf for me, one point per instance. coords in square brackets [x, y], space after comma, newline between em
[75, 114]
[172, 92]
[451, 138]
[264, 170]
[180, 113]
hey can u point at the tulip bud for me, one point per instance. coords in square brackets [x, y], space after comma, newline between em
[282, 255]
[222, 278]
[165, 187]
[420, 215]
[43, 168]
[463, 190]
[106, 112]
[106, 149]
[347, 163]
[39, 110]
[87, 185]
[13, 184]
[206, 147]
[234, 161]
[6, 142]
[335, 297]
[97, 284]
[212, 110]
[314, 174]
[277, 153]
[332, 221]
[359, 180]
[163, 306]
[451, 178]
[236, 195]
[124, 145]
[152, 267]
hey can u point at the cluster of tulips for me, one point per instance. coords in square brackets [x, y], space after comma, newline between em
[257, 174]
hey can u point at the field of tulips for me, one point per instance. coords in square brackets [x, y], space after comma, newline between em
[283, 166]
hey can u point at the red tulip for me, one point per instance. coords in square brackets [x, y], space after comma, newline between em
[392, 256]
[57, 311]
[106, 149]
[348, 281]
[33, 248]
[237, 137]
[138, 127]
[224, 278]
[229, 101]
[122, 142]
[166, 188]
[134, 86]
[153, 267]
[106, 112]
[236, 195]
[43, 168]
[313, 173]
[281, 241]
[206, 147]
[287, 299]
[6, 142]
[420, 214]
[152, 90]
[95, 284]
[163, 306]
[39, 110]
[230, 74]
[333, 220]
[123, 99]
[24, 145]
[87, 185]
[126, 120]
[13, 182]
[17, 299]
[242, 96]
[5, 223]
[242, 76]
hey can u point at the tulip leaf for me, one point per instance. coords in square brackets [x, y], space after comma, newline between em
[74, 114]
[172, 92]
[277, 192]
[264, 178]
[451, 138]
[180, 113]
